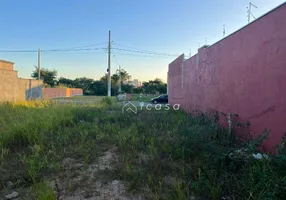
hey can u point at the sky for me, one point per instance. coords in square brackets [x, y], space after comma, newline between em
[163, 26]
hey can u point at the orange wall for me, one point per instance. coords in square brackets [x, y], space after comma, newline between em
[49, 93]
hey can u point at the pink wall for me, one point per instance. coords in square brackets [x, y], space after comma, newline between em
[244, 74]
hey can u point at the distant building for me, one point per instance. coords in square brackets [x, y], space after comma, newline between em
[135, 82]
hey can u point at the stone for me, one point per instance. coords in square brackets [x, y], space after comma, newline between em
[13, 195]
[257, 156]
[10, 185]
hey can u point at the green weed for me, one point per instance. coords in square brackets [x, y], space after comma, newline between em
[41, 191]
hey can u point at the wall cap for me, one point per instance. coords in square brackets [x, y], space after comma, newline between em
[5, 61]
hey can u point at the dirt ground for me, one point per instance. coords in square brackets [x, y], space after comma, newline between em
[81, 181]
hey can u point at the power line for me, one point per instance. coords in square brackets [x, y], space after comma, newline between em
[51, 50]
[141, 50]
[92, 45]
[101, 49]
[141, 55]
[120, 45]
[115, 59]
[18, 51]
[82, 49]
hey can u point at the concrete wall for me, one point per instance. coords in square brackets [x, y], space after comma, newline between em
[245, 74]
[49, 93]
[6, 65]
[31, 87]
[74, 92]
[14, 89]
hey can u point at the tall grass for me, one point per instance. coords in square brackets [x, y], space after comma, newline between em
[164, 155]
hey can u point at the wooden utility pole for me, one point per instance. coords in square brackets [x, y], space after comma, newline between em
[39, 64]
[109, 67]
[119, 79]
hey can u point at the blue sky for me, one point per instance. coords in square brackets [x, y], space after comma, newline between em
[165, 26]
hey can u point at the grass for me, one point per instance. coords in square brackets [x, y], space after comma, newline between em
[84, 97]
[164, 155]
[143, 98]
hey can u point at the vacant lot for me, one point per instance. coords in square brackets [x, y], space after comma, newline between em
[56, 151]
[143, 97]
[79, 100]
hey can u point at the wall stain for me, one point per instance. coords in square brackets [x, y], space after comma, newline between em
[270, 109]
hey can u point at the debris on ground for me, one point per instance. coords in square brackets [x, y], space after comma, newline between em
[13, 195]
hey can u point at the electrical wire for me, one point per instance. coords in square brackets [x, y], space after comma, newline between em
[115, 59]
[83, 49]
[52, 50]
[92, 45]
[141, 50]
[129, 47]
[132, 52]
[18, 51]
[141, 55]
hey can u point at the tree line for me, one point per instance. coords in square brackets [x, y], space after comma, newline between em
[99, 87]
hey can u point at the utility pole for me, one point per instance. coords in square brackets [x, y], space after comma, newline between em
[109, 67]
[249, 13]
[39, 66]
[119, 79]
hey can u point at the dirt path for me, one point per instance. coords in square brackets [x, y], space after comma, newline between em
[80, 181]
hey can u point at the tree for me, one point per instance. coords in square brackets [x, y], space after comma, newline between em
[162, 88]
[85, 84]
[127, 88]
[125, 76]
[48, 76]
[98, 88]
[88, 85]
[138, 90]
[104, 78]
[66, 82]
[155, 86]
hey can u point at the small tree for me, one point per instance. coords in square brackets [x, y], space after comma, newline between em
[48, 76]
